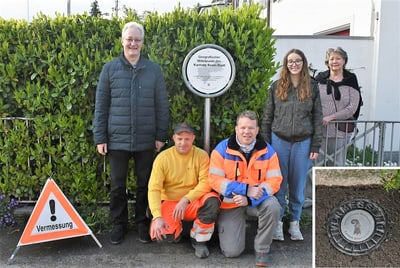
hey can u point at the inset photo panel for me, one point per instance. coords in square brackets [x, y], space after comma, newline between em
[356, 215]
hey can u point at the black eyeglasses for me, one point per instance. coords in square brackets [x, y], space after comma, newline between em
[295, 62]
[130, 40]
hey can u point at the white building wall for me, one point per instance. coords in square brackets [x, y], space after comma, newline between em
[308, 17]
[385, 101]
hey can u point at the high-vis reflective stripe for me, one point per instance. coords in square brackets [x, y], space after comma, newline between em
[175, 227]
[228, 167]
[217, 171]
[228, 200]
[223, 186]
[273, 173]
[267, 188]
[203, 233]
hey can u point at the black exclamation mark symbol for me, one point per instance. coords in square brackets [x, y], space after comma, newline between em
[52, 205]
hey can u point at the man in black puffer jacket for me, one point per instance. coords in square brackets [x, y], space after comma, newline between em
[130, 121]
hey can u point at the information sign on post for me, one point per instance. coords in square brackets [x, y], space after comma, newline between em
[208, 71]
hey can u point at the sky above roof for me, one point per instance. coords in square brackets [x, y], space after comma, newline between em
[295, 17]
[27, 9]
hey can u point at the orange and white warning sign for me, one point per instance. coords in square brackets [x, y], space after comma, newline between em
[53, 218]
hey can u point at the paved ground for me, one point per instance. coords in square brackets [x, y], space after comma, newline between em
[84, 252]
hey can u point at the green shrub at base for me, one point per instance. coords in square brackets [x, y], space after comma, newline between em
[49, 72]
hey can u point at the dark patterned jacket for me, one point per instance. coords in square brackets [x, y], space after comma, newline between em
[131, 109]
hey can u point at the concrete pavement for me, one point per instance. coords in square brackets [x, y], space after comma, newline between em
[84, 252]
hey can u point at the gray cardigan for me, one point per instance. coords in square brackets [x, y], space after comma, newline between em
[131, 109]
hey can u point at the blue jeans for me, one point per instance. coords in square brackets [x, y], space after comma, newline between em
[294, 159]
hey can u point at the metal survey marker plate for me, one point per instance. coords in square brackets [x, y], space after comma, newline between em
[357, 226]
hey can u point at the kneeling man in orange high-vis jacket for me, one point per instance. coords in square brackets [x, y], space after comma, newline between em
[245, 170]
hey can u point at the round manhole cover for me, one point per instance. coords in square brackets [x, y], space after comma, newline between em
[357, 226]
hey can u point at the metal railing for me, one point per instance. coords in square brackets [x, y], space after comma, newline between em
[373, 143]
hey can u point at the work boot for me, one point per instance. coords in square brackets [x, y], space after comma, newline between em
[200, 249]
[262, 259]
[294, 231]
[278, 234]
[118, 234]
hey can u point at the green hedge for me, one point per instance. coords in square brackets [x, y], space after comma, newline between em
[49, 70]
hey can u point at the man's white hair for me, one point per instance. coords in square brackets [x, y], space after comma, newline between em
[133, 24]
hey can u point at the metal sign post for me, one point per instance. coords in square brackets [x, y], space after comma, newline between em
[208, 71]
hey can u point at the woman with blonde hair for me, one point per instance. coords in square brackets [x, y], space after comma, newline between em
[341, 100]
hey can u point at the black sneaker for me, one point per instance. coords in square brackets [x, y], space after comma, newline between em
[144, 235]
[200, 249]
[118, 234]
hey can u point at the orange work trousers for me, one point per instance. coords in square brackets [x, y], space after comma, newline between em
[175, 227]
